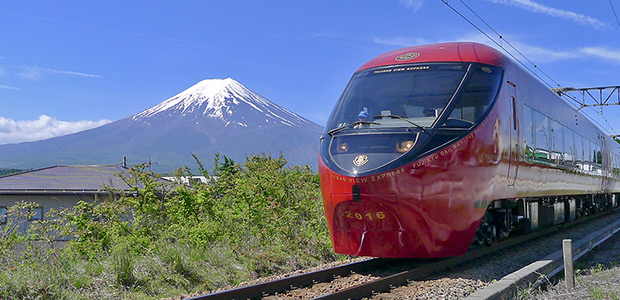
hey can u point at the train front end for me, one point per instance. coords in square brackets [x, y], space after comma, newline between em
[408, 152]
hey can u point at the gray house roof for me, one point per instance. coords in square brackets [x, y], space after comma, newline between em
[64, 179]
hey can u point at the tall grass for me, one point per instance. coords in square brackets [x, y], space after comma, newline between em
[258, 218]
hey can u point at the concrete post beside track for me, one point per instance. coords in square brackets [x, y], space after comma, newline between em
[569, 273]
[530, 276]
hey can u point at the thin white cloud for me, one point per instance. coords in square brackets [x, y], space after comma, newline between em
[12, 88]
[553, 12]
[45, 127]
[36, 73]
[602, 53]
[328, 34]
[30, 73]
[399, 41]
[540, 54]
[412, 4]
[79, 74]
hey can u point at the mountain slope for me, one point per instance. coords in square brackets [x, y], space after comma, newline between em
[217, 115]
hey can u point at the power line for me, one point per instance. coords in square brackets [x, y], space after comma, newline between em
[616, 15]
[593, 120]
[509, 44]
[531, 62]
[606, 121]
[498, 44]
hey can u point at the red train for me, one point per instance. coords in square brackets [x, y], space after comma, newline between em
[432, 148]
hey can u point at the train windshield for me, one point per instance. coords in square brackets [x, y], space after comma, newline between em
[416, 96]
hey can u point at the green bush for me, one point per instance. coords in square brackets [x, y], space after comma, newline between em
[163, 239]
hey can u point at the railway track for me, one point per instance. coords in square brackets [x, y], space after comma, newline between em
[279, 285]
[396, 272]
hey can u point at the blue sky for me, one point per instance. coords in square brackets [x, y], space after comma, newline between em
[70, 65]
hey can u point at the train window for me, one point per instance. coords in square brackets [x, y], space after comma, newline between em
[579, 152]
[528, 138]
[418, 93]
[394, 97]
[597, 159]
[35, 214]
[587, 152]
[477, 96]
[608, 162]
[557, 142]
[541, 140]
[569, 146]
[2, 214]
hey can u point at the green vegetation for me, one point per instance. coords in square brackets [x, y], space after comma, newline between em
[160, 240]
[595, 282]
[9, 171]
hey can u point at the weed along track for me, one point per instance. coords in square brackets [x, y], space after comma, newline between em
[456, 277]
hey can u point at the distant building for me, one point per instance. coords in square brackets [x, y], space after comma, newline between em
[190, 181]
[59, 187]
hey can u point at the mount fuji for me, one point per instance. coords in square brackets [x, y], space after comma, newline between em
[214, 115]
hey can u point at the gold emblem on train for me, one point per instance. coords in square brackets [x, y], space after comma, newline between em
[360, 160]
[408, 56]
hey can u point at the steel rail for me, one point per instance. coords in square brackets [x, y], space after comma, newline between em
[389, 282]
[280, 285]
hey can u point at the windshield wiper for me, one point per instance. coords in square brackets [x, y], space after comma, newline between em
[331, 132]
[401, 118]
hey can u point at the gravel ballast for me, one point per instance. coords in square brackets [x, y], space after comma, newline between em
[597, 277]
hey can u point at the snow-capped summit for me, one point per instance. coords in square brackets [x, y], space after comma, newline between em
[226, 100]
[213, 116]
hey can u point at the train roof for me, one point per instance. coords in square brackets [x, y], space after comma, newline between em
[444, 52]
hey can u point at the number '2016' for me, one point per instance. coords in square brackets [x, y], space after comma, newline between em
[368, 216]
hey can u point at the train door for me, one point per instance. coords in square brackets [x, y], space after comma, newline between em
[513, 160]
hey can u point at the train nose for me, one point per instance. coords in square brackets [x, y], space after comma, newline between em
[382, 225]
[370, 227]
[370, 213]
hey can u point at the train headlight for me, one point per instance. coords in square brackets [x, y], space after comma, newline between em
[404, 146]
[344, 147]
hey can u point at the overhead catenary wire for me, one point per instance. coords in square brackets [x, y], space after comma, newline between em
[578, 107]
[585, 113]
[607, 121]
[497, 43]
[614, 11]
[508, 43]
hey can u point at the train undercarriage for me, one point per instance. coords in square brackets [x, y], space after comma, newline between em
[513, 216]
